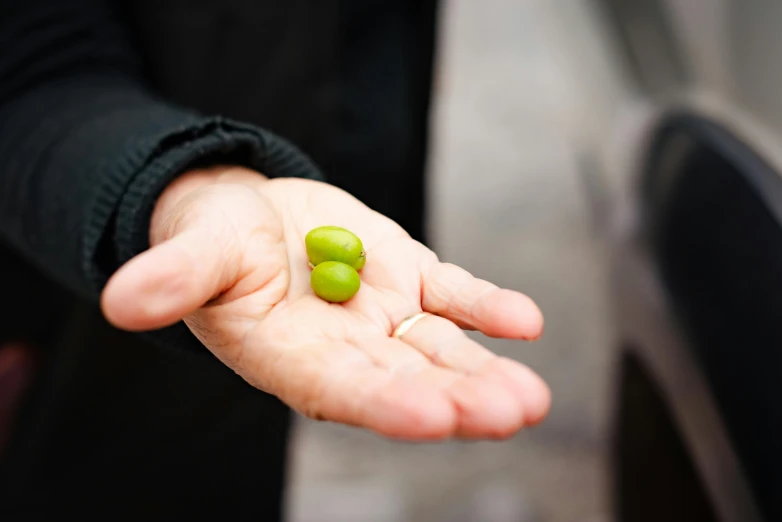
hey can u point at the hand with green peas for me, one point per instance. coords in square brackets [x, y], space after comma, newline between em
[330, 322]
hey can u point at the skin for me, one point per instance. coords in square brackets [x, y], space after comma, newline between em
[227, 256]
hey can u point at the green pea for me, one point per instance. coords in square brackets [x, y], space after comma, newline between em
[332, 243]
[334, 282]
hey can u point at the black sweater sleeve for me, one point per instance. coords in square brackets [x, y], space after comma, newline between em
[86, 148]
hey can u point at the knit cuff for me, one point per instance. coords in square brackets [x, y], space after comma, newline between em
[215, 139]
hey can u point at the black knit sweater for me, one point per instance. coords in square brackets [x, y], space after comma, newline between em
[86, 148]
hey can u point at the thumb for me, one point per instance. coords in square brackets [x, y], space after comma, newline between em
[199, 228]
[200, 258]
[171, 280]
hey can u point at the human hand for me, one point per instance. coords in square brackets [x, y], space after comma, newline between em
[228, 257]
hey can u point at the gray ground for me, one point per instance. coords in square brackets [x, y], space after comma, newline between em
[522, 90]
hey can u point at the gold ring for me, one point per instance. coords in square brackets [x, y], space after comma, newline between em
[408, 323]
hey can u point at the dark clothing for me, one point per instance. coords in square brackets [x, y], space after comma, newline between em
[101, 105]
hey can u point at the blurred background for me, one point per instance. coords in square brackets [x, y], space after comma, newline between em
[522, 89]
[620, 163]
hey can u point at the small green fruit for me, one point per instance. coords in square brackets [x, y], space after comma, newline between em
[332, 243]
[334, 282]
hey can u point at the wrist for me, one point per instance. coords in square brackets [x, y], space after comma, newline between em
[196, 179]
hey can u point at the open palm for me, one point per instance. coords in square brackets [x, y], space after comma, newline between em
[230, 260]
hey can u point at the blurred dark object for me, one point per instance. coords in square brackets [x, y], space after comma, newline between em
[697, 276]
[17, 366]
[698, 429]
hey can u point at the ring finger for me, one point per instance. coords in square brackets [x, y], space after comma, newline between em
[447, 346]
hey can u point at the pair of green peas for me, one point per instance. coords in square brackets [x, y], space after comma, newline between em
[336, 255]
